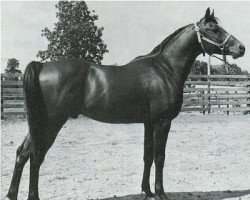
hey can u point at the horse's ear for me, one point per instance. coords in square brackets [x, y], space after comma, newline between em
[207, 14]
[212, 15]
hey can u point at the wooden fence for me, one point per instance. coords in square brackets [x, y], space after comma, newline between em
[202, 93]
[217, 93]
[12, 97]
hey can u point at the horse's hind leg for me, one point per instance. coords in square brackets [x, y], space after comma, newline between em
[22, 156]
[148, 158]
[38, 152]
[37, 155]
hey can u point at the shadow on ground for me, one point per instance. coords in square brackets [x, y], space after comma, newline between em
[213, 195]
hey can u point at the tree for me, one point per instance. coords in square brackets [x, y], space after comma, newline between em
[75, 35]
[236, 70]
[12, 66]
[200, 67]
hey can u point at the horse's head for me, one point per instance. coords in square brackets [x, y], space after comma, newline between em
[215, 40]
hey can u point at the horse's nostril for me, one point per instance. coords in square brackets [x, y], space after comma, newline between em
[242, 48]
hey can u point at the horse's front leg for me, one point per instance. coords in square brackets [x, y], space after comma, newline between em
[148, 158]
[161, 131]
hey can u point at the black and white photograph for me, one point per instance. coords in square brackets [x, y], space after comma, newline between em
[125, 100]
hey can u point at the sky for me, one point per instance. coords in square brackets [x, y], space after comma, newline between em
[130, 28]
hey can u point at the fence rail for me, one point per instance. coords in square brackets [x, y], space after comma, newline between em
[12, 97]
[202, 93]
[217, 93]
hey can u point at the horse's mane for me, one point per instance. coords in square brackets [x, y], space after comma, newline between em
[159, 47]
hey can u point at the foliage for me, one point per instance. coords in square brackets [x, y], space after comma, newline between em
[200, 67]
[12, 66]
[236, 70]
[75, 35]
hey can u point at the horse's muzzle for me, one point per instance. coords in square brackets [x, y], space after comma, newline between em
[236, 49]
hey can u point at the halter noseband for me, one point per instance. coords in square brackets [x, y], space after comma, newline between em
[221, 46]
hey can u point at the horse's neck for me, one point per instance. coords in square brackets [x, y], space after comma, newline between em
[181, 52]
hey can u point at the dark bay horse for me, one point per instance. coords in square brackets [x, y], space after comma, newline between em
[148, 90]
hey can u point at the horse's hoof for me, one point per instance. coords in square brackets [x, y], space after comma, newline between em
[160, 197]
[149, 198]
[149, 194]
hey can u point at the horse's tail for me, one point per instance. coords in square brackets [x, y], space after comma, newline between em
[36, 110]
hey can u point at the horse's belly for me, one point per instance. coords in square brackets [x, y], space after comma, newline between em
[115, 113]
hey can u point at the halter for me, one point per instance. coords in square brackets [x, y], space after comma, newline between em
[221, 46]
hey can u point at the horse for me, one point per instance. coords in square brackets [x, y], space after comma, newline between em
[148, 90]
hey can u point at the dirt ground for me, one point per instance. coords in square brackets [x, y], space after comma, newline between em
[207, 157]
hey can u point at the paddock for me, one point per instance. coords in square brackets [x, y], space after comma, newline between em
[207, 157]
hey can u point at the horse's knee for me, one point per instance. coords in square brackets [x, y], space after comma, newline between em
[37, 154]
[148, 158]
[22, 155]
[148, 152]
[159, 160]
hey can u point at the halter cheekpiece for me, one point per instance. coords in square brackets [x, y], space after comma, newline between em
[221, 46]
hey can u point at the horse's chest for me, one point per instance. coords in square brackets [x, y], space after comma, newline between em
[166, 101]
[171, 102]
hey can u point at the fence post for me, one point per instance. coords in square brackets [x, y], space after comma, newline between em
[2, 116]
[237, 105]
[25, 108]
[203, 105]
[227, 92]
[208, 92]
[217, 99]
[248, 99]
[208, 79]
